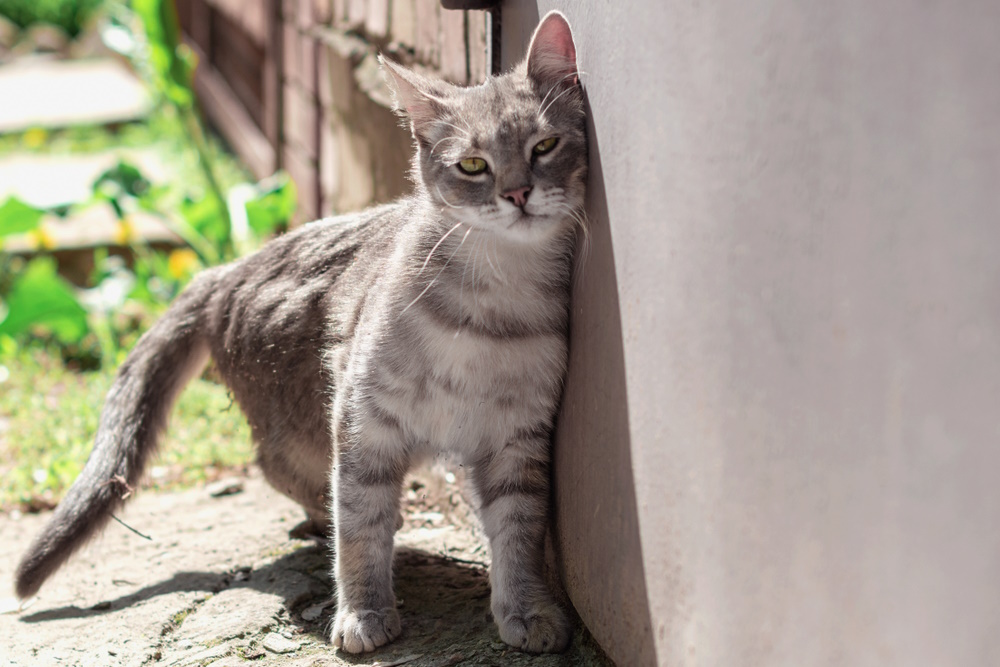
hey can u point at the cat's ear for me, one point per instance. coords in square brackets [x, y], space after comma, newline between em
[552, 54]
[414, 95]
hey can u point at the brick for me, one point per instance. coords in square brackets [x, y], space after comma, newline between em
[300, 120]
[377, 20]
[403, 26]
[290, 52]
[356, 188]
[323, 90]
[357, 12]
[307, 62]
[453, 61]
[478, 65]
[323, 11]
[339, 12]
[304, 15]
[329, 166]
[343, 54]
[428, 42]
[303, 173]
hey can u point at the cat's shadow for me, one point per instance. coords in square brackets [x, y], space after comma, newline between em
[437, 595]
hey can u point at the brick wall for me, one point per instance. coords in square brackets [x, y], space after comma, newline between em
[295, 84]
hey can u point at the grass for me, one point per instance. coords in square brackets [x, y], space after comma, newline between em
[49, 414]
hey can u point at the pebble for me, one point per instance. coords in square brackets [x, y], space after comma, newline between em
[275, 643]
[225, 487]
[315, 611]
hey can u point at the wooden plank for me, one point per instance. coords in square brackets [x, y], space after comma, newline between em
[239, 60]
[233, 122]
[271, 78]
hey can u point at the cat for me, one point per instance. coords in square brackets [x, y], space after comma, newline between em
[437, 323]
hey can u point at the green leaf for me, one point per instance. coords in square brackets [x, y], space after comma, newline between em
[173, 63]
[274, 205]
[16, 217]
[123, 178]
[205, 217]
[39, 296]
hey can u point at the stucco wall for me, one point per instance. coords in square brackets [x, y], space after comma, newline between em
[782, 424]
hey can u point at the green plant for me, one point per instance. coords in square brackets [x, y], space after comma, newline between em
[70, 15]
[216, 226]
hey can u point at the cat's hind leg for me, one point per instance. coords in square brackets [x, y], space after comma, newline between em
[512, 483]
[367, 483]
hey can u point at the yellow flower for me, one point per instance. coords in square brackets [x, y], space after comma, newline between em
[181, 262]
[124, 232]
[42, 237]
[34, 137]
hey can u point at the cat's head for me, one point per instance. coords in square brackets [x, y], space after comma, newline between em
[510, 155]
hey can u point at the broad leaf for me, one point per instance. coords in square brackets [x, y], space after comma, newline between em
[16, 217]
[39, 296]
[274, 205]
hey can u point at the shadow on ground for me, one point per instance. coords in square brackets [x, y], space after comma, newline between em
[207, 593]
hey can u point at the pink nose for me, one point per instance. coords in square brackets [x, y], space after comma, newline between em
[518, 197]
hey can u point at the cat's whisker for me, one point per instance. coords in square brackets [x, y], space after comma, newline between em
[434, 279]
[465, 132]
[489, 261]
[440, 241]
[547, 106]
[555, 87]
[441, 195]
[502, 275]
[448, 138]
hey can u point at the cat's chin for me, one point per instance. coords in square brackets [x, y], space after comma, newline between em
[533, 227]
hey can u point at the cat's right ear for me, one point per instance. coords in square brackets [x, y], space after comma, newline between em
[552, 53]
[413, 95]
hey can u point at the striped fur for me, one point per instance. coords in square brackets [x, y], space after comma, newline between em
[359, 346]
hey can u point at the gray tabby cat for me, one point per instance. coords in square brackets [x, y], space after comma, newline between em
[434, 324]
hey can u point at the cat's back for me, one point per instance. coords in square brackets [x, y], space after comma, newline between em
[272, 314]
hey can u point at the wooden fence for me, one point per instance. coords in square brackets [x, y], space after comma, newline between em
[294, 84]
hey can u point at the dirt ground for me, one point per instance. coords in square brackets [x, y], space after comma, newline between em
[222, 583]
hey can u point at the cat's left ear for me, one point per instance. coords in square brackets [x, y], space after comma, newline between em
[414, 95]
[552, 54]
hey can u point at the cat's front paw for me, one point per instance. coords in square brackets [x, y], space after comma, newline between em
[543, 629]
[365, 630]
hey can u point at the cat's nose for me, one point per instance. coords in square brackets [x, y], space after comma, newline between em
[519, 196]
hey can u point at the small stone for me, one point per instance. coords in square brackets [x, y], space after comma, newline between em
[315, 611]
[275, 643]
[226, 487]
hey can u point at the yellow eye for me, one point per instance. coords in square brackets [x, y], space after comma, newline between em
[545, 145]
[472, 165]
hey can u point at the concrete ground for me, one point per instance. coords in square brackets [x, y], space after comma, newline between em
[221, 583]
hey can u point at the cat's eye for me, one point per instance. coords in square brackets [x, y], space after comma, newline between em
[545, 145]
[472, 165]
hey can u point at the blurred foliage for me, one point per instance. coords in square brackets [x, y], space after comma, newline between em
[49, 413]
[216, 222]
[70, 15]
[51, 330]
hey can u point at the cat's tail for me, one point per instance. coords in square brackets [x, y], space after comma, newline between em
[135, 412]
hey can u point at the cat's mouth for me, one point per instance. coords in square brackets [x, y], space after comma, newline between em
[521, 218]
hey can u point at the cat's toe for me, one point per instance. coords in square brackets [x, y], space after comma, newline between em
[544, 629]
[365, 630]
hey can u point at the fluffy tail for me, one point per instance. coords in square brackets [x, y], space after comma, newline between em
[134, 414]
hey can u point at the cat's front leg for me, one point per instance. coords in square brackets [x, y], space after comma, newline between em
[367, 482]
[512, 483]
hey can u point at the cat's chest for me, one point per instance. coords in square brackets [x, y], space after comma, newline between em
[455, 388]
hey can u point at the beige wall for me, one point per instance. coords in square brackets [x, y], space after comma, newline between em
[782, 424]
